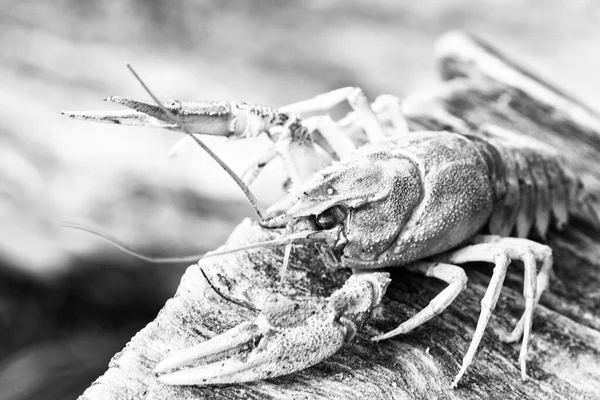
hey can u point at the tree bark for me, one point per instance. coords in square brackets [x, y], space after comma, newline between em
[481, 87]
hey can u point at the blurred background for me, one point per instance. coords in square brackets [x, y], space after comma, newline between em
[69, 301]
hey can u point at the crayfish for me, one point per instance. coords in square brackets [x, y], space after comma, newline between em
[386, 196]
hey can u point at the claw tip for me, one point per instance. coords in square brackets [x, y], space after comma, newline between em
[168, 379]
[166, 365]
[113, 99]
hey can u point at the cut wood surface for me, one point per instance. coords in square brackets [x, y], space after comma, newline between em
[481, 87]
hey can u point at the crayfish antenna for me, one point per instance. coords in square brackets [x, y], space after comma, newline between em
[127, 249]
[289, 241]
[249, 195]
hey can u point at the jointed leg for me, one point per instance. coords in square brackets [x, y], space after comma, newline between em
[543, 255]
[297, 150]
[543, 281]
[322, 103]
[259, 163]
[457, 281]
[361, 106]
[501, 260]
[387, 107]
[325, 102]
[329, 135]
[486, 248]
[334, 137]
[299, 156]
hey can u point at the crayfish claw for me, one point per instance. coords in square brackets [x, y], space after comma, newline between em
[287, 336]
[219, 344]
[203, 117]
[150, 109]
[141, 114]
[217, 118]
[121, 117]
[253, 351]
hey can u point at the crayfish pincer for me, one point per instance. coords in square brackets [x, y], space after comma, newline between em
[426, 201]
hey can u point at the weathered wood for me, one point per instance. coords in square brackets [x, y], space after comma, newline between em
[564, 360]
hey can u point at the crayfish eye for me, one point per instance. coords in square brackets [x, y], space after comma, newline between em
[330, 218]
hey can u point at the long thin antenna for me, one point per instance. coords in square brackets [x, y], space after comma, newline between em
[249, 195]
[122, 246]
[288, 241]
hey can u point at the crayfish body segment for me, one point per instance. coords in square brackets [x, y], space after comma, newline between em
[418, 200]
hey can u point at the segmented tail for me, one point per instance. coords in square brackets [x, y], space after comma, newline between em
[533, 187]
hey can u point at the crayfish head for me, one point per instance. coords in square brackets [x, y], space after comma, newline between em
[362, 203]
